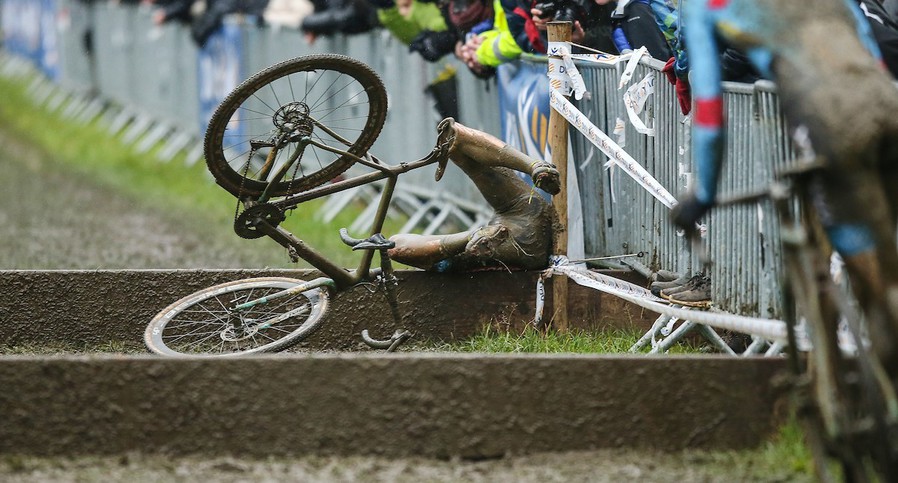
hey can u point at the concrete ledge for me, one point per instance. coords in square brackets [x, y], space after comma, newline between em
[91, 308]
[428, 405]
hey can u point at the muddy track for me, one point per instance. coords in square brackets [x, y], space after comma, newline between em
[50, 219]
[55, 219]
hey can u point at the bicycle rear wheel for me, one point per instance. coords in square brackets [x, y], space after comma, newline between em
[333, 99]
[202, 324]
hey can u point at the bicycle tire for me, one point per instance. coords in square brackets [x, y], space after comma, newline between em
[341, 91]
[178, 331]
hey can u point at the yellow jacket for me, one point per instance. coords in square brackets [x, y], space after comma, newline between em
[498, 44]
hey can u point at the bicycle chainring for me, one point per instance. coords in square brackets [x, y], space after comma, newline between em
[246, 223]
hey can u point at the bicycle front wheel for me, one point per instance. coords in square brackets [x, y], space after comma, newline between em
[205, 324]
[260, 127]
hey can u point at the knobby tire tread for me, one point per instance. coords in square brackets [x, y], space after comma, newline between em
[235, 183]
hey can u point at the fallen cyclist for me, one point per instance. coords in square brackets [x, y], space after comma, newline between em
[519, 236]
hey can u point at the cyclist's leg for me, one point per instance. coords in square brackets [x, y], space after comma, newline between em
[855, 211]
[488, 150]
[519, 235]
[424, 251]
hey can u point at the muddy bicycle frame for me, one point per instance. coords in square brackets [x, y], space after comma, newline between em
[339, 278]
[809, 288]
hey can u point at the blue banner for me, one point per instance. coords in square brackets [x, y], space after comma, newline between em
[219, 70]
[524, 104]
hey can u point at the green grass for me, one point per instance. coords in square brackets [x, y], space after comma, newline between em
[187, 191]
[532, 341]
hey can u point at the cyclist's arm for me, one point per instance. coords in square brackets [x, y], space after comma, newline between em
[864, 31]
[705, 77]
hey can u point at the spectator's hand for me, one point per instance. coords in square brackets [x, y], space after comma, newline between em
[687, 213]
[310, 37]
[578, 34]
[468, 53]
[538, 19]
[158, 17]
[431, 45]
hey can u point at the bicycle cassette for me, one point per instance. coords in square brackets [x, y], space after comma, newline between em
[246, 223]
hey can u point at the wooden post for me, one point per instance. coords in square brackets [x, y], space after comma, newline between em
[558, 131]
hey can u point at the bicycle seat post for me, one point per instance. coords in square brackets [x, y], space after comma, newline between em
[389, 280]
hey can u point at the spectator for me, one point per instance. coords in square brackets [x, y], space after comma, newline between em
[205, 24]
[339, 16]
[287, 13]
[407, 19]
[488, 49]
[174, 10]
[591, 24]
[463, 19]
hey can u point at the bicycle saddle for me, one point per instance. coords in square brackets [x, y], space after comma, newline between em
[373, 242]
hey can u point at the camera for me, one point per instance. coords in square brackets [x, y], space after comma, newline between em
[562, 10]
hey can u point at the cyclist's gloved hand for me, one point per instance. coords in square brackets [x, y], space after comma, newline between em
[684, 95]
[681, 85]
[669, 71]
[687, 213]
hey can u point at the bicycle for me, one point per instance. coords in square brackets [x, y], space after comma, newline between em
[847, 405]
[279, 140]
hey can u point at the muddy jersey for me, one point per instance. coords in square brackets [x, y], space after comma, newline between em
[823, 59]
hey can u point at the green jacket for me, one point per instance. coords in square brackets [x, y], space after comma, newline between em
[423, 16]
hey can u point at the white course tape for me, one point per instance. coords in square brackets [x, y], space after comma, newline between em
[772, 330]
[611, 149]
[634, 100]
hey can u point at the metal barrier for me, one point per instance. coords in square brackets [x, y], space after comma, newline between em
[743, 240]
[151, 74]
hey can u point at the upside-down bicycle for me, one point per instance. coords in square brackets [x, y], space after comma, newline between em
[275, 142]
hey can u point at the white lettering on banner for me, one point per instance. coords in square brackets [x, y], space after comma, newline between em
[612, 150]
[634, 100]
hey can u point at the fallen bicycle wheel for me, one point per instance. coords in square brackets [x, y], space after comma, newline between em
[261, 126]
[205, 323]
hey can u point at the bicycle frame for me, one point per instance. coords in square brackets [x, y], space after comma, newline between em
[809, 285]
[341, 277]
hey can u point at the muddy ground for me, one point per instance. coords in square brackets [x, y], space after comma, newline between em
[51, 219]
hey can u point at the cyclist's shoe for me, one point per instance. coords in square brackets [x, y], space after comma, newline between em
[546, 177]
[697, 295]
[446, 135]
[657, 287]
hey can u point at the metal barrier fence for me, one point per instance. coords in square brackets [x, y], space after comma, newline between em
[625, 219]
[152, 74]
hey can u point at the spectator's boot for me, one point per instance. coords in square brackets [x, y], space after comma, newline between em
[658, 286]
[697, 294]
